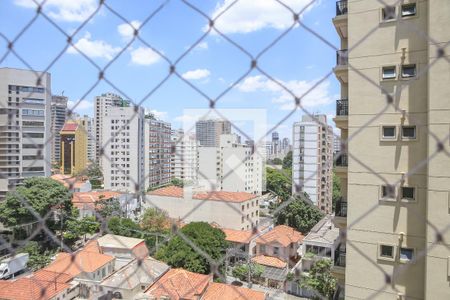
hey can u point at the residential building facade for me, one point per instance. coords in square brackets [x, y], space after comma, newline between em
[124, 147]
[312, 160]
[88, 125]
[74, 159]
[58, 118]
[159, 154]
[208, 132]
[25, 127]
[396, 182]
[232, 167]
[184, 163]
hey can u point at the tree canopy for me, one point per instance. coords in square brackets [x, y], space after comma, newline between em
[124, 226]
[41, 194]
[180, 254]
[287, 161]
[279, 183]
[155, 220]
[320, 279]
[299, 215]
[336, 189]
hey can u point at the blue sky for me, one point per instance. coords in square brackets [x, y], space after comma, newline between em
[298, 60]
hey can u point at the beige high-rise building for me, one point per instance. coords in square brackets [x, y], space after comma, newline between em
[395, 108]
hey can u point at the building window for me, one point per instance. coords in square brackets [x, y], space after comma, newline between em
[408, 71]
[409, 10]
[387, 251]
[276, 250]
[389, 72]
[409, 132]
[262, 248]
[387, 192]
[408, 193]
[388, 13]
[388, 132]
[406, 254]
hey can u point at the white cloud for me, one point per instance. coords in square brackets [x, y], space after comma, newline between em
[94, 48]
[126, 30]
[319, 96]
[249, 15]
[64, 10]
[202, 46]
[80, 105]
[196, 74]
[144, 56]
[161, 115]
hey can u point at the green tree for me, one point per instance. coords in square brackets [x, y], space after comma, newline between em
[277, 161]
[287, 161]
[38, 258]
[177, 182]
[108, 208]
[80, 228]
[320, 279]
[124, 226]
[180, 254]
[278, 183]
[299, 215]
[94, 174]
[242, 271]
[42, 195]
[336, 189]
[155, 220]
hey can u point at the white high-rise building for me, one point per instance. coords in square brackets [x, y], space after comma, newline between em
[231, 167]
[24, 126]
[124, 148]
[101, 104]
[184, 163]
[208, 132]
[312, 160]
[58, 118]
[88, 125]
[159, 154]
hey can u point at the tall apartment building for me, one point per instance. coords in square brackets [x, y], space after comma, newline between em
[124, 147]
[74, 158]
[184, 156]
[88, 125]
[101, 105]
[58, 112]
[312, 160]
[24, 126]
[396, 183]
[208, 132]
[231, 166]
[159, 154]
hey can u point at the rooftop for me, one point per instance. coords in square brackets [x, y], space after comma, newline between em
[177, 192]
[88, 199]
[269, 261]
[118, 241]
[179, 284]
[323, 232]
[226, 291]
[134, 274]
[281, 234]
[29, 288]
[239, 236]
[70, 126]
[69, 181]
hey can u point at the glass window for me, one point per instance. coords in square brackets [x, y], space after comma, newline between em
[389, 132]
[387, 251]
[406, 254]
[389, 72]
[409, 132]
[408, 193]
[262, 248]
[388, 13]
[408, 71]
[388, 191]
[276, 250]
[409, 10]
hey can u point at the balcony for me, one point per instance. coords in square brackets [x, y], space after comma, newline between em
[341, 69]
[341, 20]
[340, 214]
[341, 165]
[341, 118]
[338, 268]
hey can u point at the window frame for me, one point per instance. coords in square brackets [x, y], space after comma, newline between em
[403, 5]
[383, 14]
[388, 138]
[402, 260]
[386, 198]
[408, 77]
[395, 77]
[386, 258]
[408, 200]
[407, 138]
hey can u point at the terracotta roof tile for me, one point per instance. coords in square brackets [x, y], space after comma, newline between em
[238, 236]
[281, 234]
[29, 288]
[180, 284]
[88, 199]
[45, 275]
[269, 261]
[173, 191]
[68, 180]
[70, 126]
[225, 291]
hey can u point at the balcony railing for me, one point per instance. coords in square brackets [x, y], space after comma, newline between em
[341, 7]
[342, 160]
[339, 256]
[342, 57]
[341, 208]
[342, 107]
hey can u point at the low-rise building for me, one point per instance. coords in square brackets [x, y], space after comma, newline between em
[179, 284]
[132, 279]
[274, 272]
[235, 210]
[88, 202]
[281, 242]
[74, 184]
[124, 249]
[217, 290]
